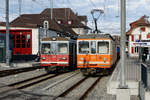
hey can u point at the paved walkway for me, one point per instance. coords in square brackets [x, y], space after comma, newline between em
[20, 64]
[132, 76]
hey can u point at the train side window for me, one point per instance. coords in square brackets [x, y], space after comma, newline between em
[84, 47]
[93, 47]
[28, 41]
[103, 47]
[45, 49]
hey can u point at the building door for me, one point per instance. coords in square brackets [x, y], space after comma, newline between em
[22, 42]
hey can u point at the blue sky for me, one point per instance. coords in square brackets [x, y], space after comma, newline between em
[109, 22]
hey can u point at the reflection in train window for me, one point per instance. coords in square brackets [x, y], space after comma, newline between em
[103, 47]
[84, 47]
[45, 49]
[62, 48]
[93, 47]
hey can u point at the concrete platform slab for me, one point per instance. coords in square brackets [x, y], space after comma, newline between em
[132, 76]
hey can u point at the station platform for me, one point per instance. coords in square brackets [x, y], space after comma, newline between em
[20, 64]
[132, 76]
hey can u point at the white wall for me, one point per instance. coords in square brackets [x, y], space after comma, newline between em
[80, 31]
[137, 31]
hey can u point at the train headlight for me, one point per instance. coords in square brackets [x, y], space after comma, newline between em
[64, 58]
[105, 59]
[43, 58]
[81, 58]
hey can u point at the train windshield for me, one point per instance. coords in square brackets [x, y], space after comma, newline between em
[45, 48]
[84, 47]
[103, 47]
[62, 48]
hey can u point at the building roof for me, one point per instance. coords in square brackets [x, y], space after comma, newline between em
[59, 14]
[140, 22]
[2, 23]
[65, 15]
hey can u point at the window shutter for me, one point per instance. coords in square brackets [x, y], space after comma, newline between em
[132, 50]
[132, 37]
[148, 35]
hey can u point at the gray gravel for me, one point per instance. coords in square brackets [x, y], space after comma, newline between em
[39, 87]
[21, 76]
[78, 92]
[59, 88]
[100, 91]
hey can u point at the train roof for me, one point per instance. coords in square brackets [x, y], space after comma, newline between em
[95, 36]
[55, 39]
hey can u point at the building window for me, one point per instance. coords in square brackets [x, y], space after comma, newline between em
[136, 50]
[46, 24]
[136, 37]
[142, 29]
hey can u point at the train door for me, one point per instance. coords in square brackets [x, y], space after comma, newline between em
[93, 56]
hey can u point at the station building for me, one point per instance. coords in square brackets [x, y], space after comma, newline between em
[138, 38]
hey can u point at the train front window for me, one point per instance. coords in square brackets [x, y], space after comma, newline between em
[84, 47]
[62, 48]
[93, 47]
[103, 47]
[45, 49]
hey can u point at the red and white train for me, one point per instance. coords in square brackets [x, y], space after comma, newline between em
[58, 53]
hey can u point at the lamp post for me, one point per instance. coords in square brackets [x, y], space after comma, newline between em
[7, 34]
[123, 44]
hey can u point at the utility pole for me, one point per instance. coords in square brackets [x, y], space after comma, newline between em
[7, 34]
[19, 1]
[51, 6]
[123, 44]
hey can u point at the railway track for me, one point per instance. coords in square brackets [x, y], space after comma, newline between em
[85, 94]
[28, 82]
[4, 73]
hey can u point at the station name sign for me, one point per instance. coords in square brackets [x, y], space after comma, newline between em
[141, 44]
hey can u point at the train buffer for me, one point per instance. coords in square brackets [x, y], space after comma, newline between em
[132, 76]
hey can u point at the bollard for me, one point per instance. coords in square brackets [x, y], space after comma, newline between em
[123, 94]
